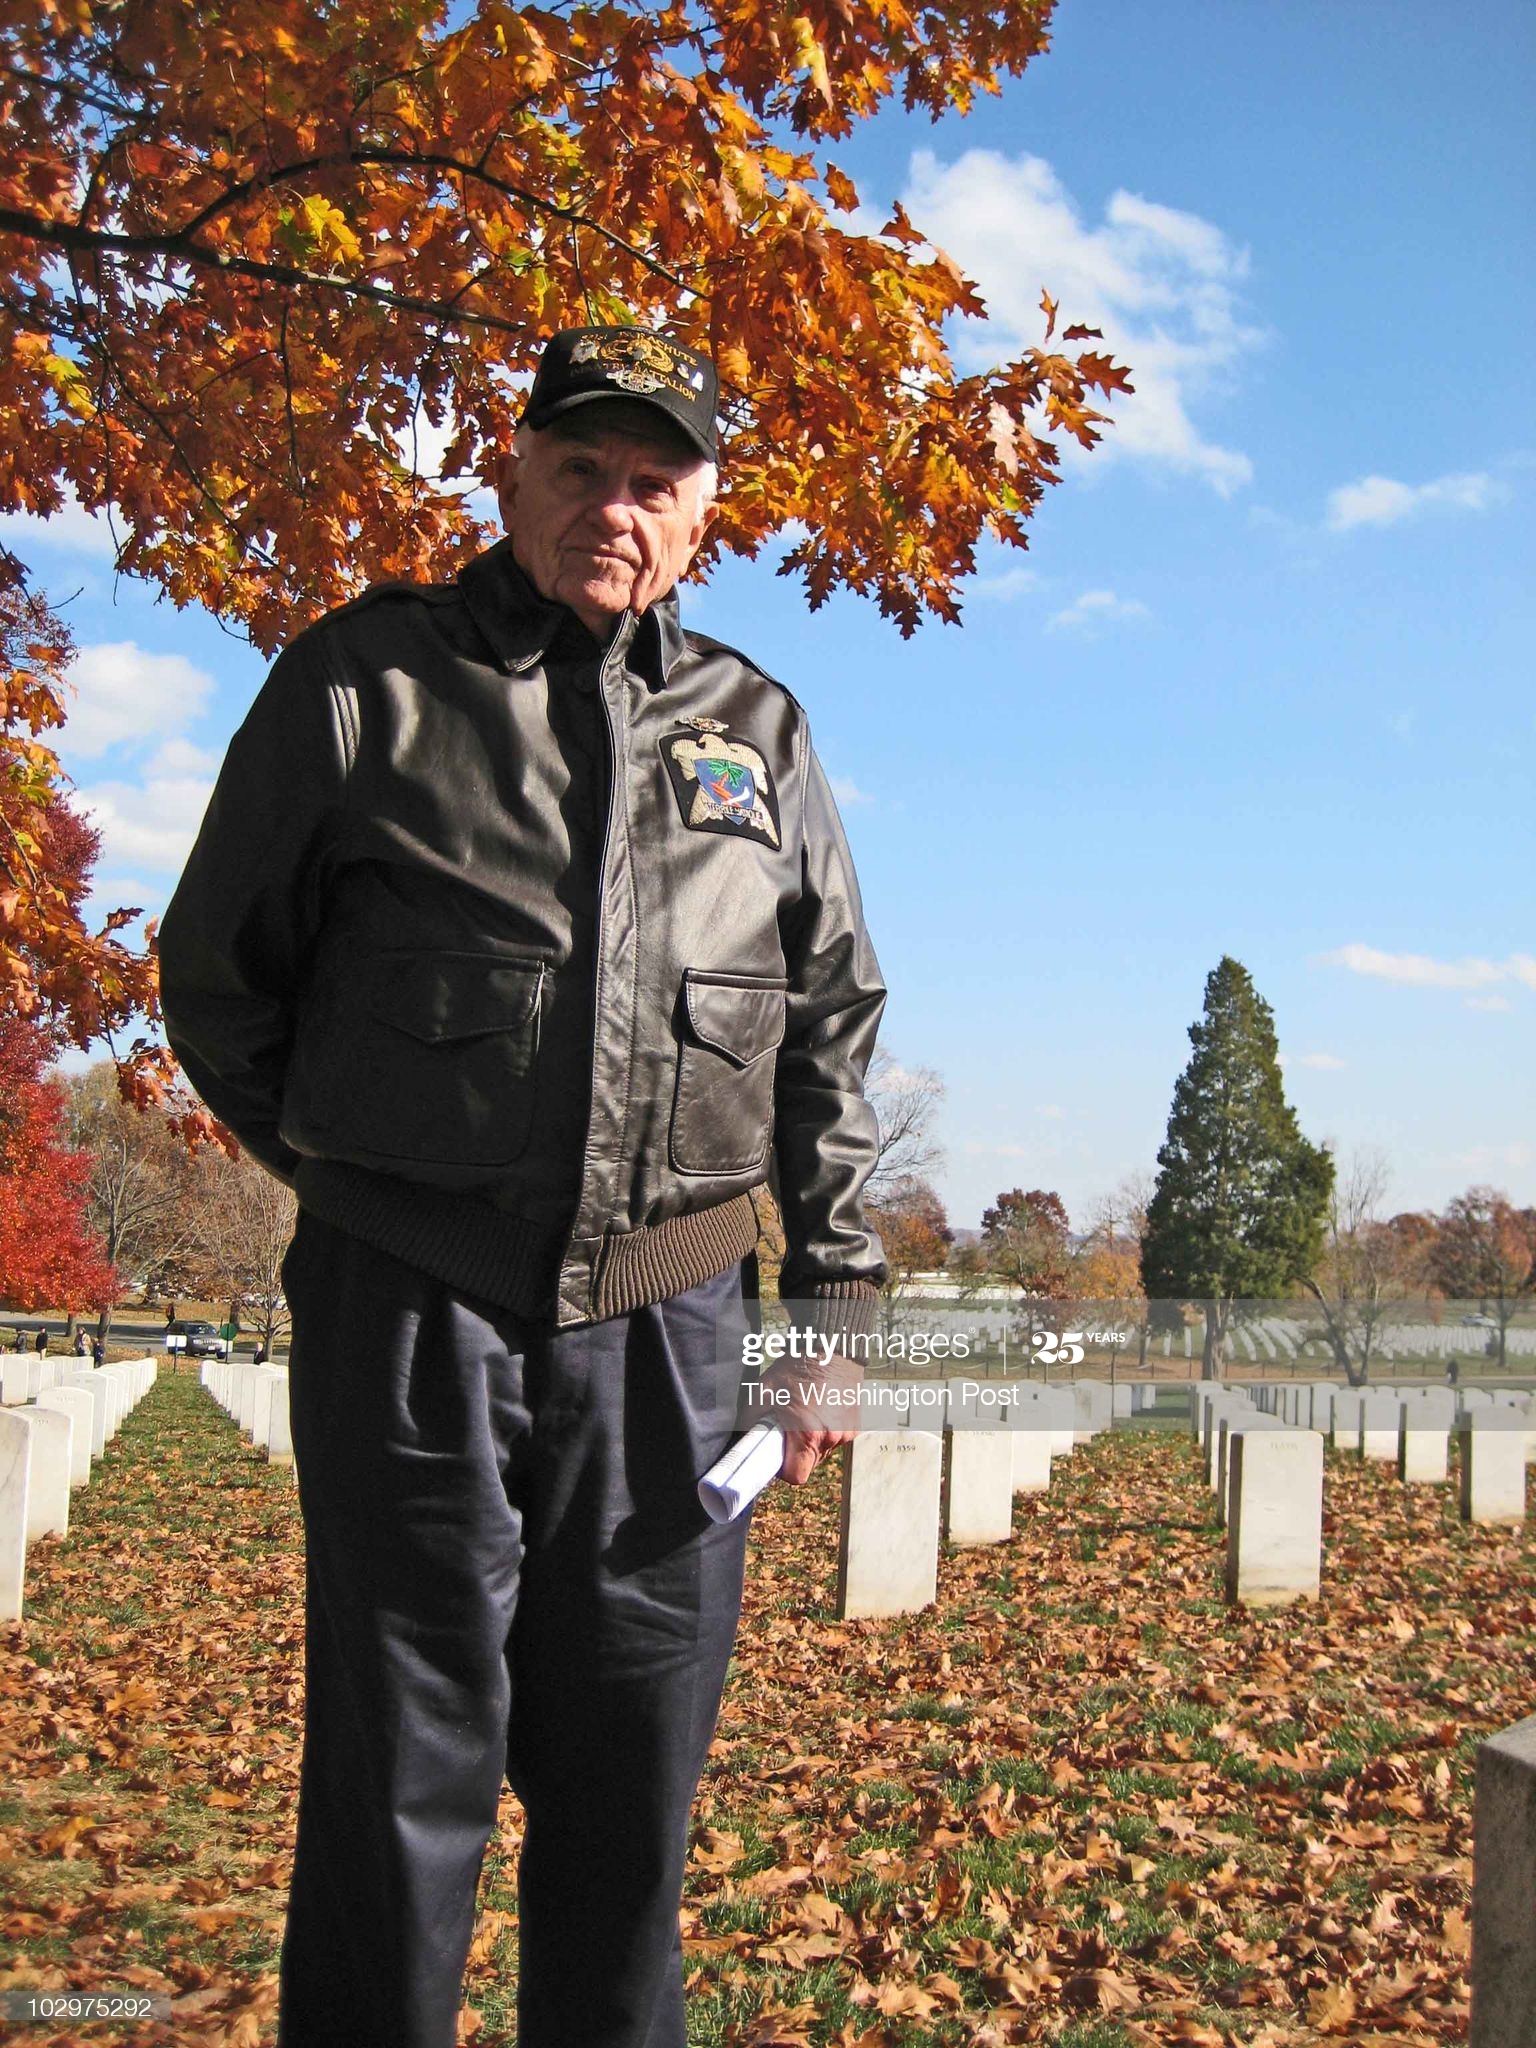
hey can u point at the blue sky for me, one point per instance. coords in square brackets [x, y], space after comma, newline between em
[1262, 684]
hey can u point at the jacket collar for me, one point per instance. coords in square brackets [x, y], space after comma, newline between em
[520, 624]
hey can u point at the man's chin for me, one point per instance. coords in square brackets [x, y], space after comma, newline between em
[609, 595]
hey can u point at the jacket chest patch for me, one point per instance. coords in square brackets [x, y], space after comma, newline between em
[721, 783]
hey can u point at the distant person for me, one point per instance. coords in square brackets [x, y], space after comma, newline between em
[98, 1352]
[170, 1315]
[82, 1344]
[261, 1354]
[1452, 1372]
[40, 1343]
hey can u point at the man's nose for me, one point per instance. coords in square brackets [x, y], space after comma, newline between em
[614, 512]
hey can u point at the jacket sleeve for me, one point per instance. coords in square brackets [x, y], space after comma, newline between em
[236, 939]
[826, 1135]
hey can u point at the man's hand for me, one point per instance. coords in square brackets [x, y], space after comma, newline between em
[804, 1450]
[816, 1398]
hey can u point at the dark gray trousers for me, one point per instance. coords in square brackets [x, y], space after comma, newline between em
[508, 1572]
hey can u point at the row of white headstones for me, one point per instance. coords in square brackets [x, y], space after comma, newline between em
[934, 1461]
[255, 1397]
[942, 1461]
[57, 1417]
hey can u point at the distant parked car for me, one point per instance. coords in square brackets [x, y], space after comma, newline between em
[196, 1340]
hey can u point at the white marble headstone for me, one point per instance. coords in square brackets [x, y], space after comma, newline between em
[1092, 1408]
[1379, 1413]
[1275, 1520]
[1228, 1430]
[1492, 1442]
[92, 1383]
[15, 1459]
[978, 1485]
[279, 1428]
[76, 1403]
[48, 1478]
[1423, 1440]
[1347, 1403]
[888, 1550]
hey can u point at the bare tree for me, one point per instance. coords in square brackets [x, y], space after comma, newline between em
[247, 1221]
[1108, 1257]
[905, 1100]
[142, 1182]
[1367, 1269]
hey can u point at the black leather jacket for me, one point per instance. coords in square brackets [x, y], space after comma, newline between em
[360, 963]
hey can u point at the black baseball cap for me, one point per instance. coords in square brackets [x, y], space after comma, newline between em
[583, 364]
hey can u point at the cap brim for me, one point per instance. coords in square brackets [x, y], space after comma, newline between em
[555, 409]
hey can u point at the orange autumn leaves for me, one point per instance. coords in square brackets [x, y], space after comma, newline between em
[256, 260]
[255, 256]
[260, 259]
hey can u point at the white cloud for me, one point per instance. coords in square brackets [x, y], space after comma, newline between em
[179, 758]
[125, 889]
[1488, 1003]
[124, 695]
[1383, 501]
[1163, 285]
[151, 824]
[71, 530]
[1418, 970]
[1005, 586]
[1094, 608]
[847, 791]
[1051, 1109]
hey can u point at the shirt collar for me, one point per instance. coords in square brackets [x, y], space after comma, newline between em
[520, 624]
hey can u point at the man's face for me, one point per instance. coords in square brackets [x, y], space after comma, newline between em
[601, 520]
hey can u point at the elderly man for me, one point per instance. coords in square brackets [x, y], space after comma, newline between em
[521, 937]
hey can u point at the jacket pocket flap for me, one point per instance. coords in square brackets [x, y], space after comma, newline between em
[740, 1019]
[439, 997]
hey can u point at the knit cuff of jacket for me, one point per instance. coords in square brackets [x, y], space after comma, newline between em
[839, 1308]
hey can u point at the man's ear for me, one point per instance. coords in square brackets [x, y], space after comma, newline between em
[506, 485]
[701, 526]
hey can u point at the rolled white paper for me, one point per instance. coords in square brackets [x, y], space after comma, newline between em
[740, 1476]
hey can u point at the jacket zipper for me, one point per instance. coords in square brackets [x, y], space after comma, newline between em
[616, 656]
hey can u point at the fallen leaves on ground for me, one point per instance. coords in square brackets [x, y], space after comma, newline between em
[1083, 1800]
[1080, 1800]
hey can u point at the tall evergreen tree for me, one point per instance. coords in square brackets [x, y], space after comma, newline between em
[1241, 1197]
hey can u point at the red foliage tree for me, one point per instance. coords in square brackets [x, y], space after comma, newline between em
[48, 1257]
[1026, 1241]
